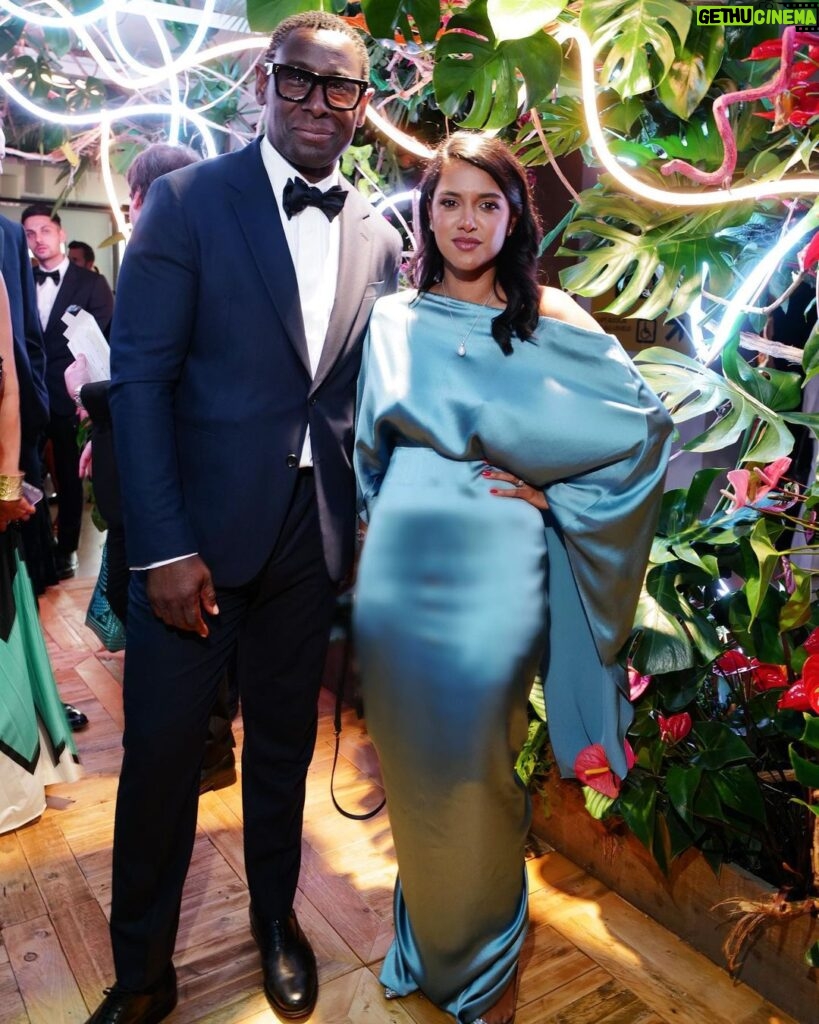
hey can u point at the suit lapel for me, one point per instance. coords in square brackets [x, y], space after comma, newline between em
[259, 220]
[353, 276]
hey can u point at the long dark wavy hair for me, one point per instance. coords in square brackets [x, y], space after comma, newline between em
[516, 264]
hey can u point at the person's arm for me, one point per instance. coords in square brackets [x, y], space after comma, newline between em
[157, 296]
[560, 306]
[13, 505]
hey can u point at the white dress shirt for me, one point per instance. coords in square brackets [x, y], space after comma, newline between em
[47, 293]
[314, 243]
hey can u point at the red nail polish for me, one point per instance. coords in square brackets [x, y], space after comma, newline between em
[493, 490]
[486, 472]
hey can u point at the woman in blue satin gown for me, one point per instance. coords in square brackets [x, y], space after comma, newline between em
[510, 460]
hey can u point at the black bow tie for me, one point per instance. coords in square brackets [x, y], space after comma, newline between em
[298, 194]
[40, 275]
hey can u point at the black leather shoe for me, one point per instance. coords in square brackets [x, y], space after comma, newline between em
[289, 965]
[76, 719]
[66, 565]
[218, 775]
[120, 1007]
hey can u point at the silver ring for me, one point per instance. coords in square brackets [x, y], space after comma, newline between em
[519, 483]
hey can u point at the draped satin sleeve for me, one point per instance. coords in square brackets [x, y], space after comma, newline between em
[567, 412]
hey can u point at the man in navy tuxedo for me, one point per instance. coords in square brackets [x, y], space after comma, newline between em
[241, 309]
[60, 284]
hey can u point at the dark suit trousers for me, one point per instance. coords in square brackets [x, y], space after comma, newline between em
[282, 622]
[63, 433]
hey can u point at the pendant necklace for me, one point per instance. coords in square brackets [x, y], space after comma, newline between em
[461, 350]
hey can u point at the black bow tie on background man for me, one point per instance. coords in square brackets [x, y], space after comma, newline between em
[40, 275]
[298, 194]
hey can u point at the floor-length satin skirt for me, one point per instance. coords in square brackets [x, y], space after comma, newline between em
[449, 627]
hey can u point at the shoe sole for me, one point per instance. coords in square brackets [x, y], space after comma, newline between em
[290, 1014]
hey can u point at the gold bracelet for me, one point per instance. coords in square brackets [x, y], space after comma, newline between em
[11, 487]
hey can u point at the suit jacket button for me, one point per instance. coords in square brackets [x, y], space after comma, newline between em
[313, 400]
[292, 461]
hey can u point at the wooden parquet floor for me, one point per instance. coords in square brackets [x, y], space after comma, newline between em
[589, 958]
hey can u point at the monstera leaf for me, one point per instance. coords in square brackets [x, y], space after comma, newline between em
[386, 17]
[690, 76]
[630, 33]
[517, 19]
[564, 128]
[689, 389]
[654, 256]
[476, 76]
[265, 15]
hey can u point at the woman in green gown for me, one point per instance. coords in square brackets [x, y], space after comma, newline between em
[36, 746]
[510, 460]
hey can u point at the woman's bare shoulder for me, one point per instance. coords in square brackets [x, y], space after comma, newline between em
[557, 305]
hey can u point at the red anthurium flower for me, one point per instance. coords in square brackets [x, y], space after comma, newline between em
[795, 698]
[811, 645]
[637, 684]
[769, 677]
[592, 768]
[810, 677]
[765, 51]
[810, 254]
[735, 661]
[675, 727]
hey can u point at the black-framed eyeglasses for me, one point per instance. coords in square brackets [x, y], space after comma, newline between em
[296, 84]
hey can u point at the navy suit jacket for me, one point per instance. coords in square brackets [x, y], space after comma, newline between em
[211, 390]
[29, 352]
[90, 291]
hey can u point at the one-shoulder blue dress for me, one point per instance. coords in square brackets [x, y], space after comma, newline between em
[463, 595]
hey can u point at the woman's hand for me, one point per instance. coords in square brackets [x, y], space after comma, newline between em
[14, 511]
[519, 488]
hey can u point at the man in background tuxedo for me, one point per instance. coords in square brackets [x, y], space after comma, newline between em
[61, 284]
[236, 344]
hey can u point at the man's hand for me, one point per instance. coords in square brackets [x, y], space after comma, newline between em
[180, 591]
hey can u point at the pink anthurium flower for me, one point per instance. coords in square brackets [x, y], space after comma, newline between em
[675, 727]
[751, 485]
[637, 684]
[592, 768]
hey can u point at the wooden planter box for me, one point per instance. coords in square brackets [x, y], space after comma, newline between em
[684, 902]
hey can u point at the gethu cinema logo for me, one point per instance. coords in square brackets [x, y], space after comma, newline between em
[802, 15]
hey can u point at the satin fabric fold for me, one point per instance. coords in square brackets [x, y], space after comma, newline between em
[462, 594]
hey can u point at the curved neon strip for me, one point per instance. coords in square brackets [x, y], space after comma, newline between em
[66, 19]
[405, 141]
[666, 197]
[756, 280]
[188, 59]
